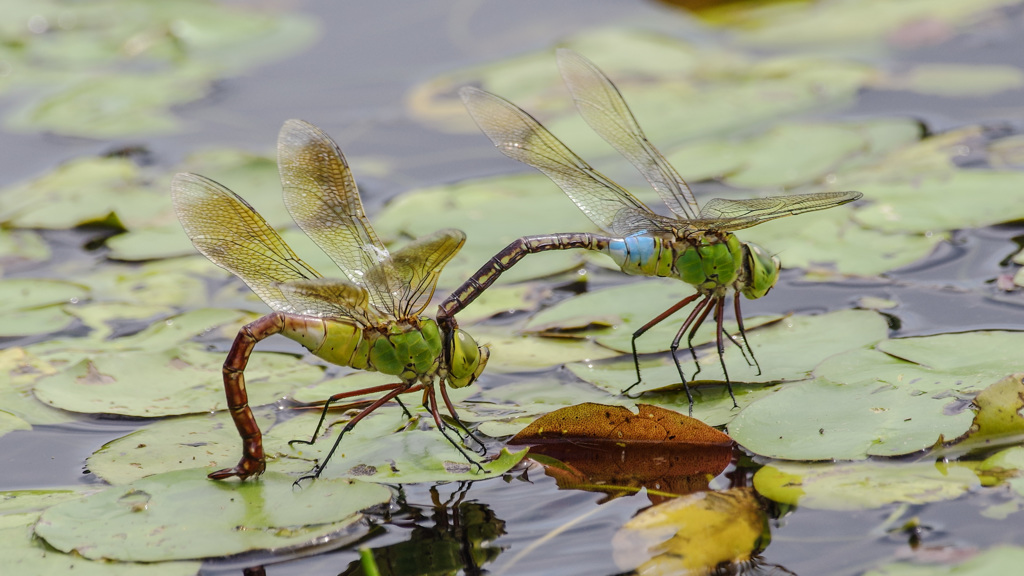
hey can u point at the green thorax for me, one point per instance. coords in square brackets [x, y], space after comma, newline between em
[713, 263]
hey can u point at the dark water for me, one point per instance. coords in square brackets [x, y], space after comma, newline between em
[352, 84]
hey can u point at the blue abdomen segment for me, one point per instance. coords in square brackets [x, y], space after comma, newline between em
[639, 255]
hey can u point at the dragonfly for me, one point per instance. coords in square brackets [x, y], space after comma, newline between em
[369, 320]
[694, 244]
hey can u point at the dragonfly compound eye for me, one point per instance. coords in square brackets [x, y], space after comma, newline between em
[762, 271]
[468, 360]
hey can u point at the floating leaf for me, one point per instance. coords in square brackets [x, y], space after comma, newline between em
[847, 421]
[181, 380]
[592, 422]
[18, 372]
[862, 485]
[9, 423]
[996, 560]
[694, 534]
[26, 555]
[969, 199]
[527, 204]
[523, 353]
[202, 441]
[787, 350]
[957, 80]
[999, 410]
[382, 449]
[29, 293]
[19, 246]
[82, 191]
[182, 515]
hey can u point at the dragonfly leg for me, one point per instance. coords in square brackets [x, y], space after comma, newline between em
[397, 389]
[342, 396]
[455, 416]
[719, 317]
[640, 332]
[743, 333]
[404, 409]
[693, 324]
[702, 305]
[253, 460]
[441, 426]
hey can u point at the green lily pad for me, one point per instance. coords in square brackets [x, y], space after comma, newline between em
[26, 555]
[17, 246]
[996, 560]
[957, 80]
[114, 67]
[207, 441]
[9, 423]
[82, 191]
[787, 350]
[18, 372]
[828, 242]
[102, 317]
[846, 421]
[38, 321]
[177, 282]
[999, 408]
[182, 380]
[29, 293]
[492, 212]
[114, 106]
[677, 90]
[384, 447]
[862, 485]
[601, 314]
[183, 515]
[969, 199]
[511, 353]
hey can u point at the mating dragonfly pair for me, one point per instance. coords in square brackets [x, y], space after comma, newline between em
[372, 320]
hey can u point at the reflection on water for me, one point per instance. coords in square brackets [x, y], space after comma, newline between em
[456, 534]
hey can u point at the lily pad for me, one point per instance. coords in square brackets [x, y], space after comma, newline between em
[829, 242]
[677, 90]
[525, 353]
[18, 246]
[204, 440]
[959, 199]
[182, 380]
[493, 212]
[183, 515]
[383, 448]
[9, 423]
[29, 293]
[82, 191]
[26, 555]
[847, 421]
[693, 534]
[999, 409]
[18, 371]
[863, 485]
[957, 80]
[996, 560]
[788, 350]
[602, 309]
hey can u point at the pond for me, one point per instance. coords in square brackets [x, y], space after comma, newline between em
[877, 389]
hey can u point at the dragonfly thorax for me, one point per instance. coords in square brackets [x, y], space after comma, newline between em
[712, 262]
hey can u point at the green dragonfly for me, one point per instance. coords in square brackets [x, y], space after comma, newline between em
[368, 321]
[695, 245]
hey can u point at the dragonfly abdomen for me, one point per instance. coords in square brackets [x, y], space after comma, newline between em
[642, 255]
[509, 256]
[336, 341]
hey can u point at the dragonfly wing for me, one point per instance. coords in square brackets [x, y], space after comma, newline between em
[731, 215]
[603, 107]
[328, 298]
[323, 199]
[228, 231]
[520, 137]
[404, 284]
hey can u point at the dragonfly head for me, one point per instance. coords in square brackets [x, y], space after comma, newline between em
[468, 360]
[760, 271]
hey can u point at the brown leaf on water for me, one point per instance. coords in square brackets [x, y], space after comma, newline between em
[597, 422]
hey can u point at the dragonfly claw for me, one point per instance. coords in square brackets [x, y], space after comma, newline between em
[245, 468]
